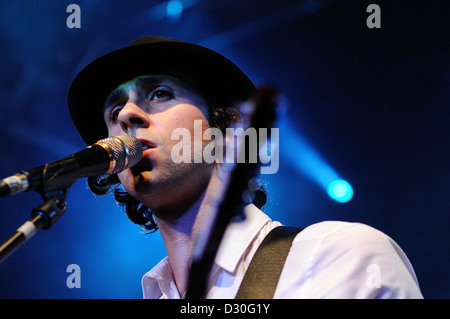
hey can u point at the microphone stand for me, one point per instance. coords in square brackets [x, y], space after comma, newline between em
[42, 217]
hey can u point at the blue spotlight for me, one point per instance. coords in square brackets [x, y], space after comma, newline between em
[340, 190]
[307, 160]
[174, 9]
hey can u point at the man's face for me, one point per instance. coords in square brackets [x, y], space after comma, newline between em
[151, 108]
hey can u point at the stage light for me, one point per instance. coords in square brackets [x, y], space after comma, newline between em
[309, 162]
[340, 190]
[174, 9]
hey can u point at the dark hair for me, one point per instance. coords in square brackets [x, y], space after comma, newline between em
[137, 212]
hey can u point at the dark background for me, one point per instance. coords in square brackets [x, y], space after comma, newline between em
[373, 104]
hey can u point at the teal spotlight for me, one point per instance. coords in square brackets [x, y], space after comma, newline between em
[340, 190]
[174, 9]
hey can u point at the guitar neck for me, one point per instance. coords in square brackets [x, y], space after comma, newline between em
[260, 113]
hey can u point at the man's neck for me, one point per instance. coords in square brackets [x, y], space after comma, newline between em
[179, 234]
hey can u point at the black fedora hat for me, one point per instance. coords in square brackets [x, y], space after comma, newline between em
[214, 76]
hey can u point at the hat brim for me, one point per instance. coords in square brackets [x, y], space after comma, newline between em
[209, 72]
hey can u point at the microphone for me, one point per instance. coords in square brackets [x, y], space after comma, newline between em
[107, 156]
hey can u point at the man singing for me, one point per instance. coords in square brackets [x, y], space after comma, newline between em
[157, 85]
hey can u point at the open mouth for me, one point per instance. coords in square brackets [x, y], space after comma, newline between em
[146, 144]
[145, 164]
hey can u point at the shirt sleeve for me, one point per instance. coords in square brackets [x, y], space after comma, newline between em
[349, 260]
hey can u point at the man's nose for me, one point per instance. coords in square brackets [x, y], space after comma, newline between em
[132, 116]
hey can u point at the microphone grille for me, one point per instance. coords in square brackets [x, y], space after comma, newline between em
[125, 151]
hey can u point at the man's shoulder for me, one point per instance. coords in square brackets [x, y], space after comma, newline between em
[344, 233]
[335, 259]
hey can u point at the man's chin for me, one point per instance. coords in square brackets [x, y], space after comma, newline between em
[144, 165]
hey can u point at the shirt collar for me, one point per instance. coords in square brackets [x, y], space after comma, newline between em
[237, 237]
[159, 281]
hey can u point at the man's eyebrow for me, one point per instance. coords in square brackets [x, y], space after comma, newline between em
[149, 80]
[114, 96]
[140, 81]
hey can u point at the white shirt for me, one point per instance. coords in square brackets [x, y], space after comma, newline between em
[329, 259]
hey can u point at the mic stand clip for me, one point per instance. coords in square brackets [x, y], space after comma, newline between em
[43, 217]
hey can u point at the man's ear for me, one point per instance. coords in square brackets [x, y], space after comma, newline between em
[239, 128]
[226, 117]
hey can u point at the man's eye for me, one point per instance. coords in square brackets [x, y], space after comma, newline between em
[114, 115]
[160, 94]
